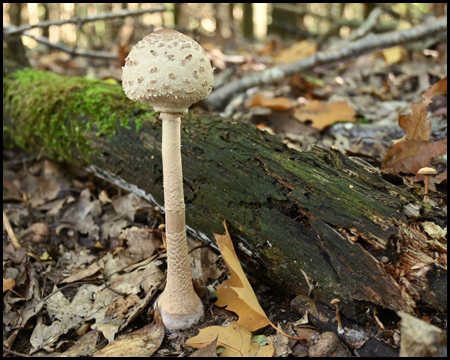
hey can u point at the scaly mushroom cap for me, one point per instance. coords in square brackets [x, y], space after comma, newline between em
[167, 70]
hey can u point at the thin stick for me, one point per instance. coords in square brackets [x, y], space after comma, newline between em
[10, 231]
[282, 332]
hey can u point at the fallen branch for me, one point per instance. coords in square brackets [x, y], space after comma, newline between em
[369, 43]
[9, 30]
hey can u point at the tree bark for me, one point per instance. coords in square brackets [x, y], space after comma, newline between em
[312, 223]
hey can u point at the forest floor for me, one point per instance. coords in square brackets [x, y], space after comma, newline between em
[83, 243]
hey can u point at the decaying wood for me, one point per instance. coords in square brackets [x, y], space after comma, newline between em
[312, 223]
[365, 341]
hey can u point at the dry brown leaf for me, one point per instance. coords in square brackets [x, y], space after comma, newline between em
[140, 343]
[236, 293]
[236, 340]
[394, 55]
[206, 351]
[141, 242]
[278, 103]
[416, 124]
[414, 150]
[322, 115]
[82, 273]
[410, 156]
[8, 284]
[297, 51]
[84, 346]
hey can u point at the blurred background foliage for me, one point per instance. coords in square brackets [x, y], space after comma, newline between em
[251, 21]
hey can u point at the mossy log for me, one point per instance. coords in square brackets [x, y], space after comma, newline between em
[313, 223]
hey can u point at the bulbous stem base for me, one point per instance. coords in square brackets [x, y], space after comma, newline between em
[179, 305]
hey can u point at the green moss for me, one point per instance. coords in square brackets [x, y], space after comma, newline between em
[57, 112]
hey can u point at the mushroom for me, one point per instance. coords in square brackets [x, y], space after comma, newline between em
[170, 71]
[338, 316]
[427, 171]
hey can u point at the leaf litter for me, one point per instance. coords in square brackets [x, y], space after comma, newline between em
[83, 284]
[82, 228]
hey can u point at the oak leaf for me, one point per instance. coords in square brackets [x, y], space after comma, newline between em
[415, 150]
[236, 340]
[236, 293]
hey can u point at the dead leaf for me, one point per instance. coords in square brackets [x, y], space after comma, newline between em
[297, 51]
[206, 351]
[394, 55]
[140, 343]
[410, 156]
[417, 125]
[278, 103]
[45, 190]
[322, 115]
[85, 346]
[236, 293]
[141, 243]
[236, 340]
[82, 273]
[414, 151]
[127, 205]
[81, 213]
[120, 307]
[65, 315]
[8, 284]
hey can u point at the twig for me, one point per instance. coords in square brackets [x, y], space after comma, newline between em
[367, 25]
[10, 231]
[10, 30]
[14, 353]
[70, 50]
[80, 21]
[282, 332]
[369, 43]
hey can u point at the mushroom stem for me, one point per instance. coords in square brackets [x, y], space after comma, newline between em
[426, 171]
[425, 192]
[179, 305]
[338, 316]
[172, 173]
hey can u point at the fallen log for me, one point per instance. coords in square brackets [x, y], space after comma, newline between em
[312, 223]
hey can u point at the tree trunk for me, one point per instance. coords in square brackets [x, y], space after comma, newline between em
[313, 223]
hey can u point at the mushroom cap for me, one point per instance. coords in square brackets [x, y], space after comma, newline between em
[167, 70]
[334, 301]
[427, 171]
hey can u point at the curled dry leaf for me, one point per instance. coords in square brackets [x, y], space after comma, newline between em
[415, 150]
[236, 340]
[140, 343]
[236, 293]
[322, 115]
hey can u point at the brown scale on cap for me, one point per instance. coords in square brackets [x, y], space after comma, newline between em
[170, 58]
